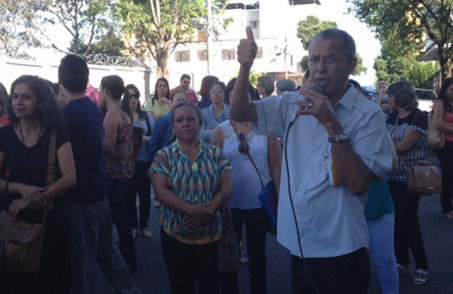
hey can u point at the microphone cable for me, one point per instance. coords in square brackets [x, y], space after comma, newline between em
[294, 211]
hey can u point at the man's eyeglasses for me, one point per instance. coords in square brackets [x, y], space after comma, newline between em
[329, 60]
[243, 145]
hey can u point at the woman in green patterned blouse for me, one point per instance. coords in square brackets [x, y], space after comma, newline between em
[192, 180]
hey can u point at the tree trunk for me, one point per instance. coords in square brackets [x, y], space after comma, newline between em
[162, 58]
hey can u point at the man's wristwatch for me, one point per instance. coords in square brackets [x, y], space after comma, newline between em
[339, 138]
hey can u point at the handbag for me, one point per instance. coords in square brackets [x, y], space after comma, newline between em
[229, 248]
[436, 138]
[22, 242]
[423, 177]
[267, 196]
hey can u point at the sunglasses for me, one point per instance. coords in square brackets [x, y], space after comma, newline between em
[243, 145]
[135, 96]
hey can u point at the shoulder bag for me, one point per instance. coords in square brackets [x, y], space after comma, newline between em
[229, 248]
[21, 242]
[436, 138]
[423, 177]
[267, 196]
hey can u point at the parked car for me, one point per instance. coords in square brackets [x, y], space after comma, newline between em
[426, 98]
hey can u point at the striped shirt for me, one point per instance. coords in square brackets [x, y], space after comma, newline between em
[417, 121]
[195, 182]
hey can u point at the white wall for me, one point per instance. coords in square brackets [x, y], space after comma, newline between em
[11, 69]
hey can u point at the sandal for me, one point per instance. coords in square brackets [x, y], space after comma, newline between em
[449, 215]
[421, 277]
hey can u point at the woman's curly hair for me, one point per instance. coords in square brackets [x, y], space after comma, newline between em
[50, 113]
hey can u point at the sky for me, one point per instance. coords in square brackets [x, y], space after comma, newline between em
[367, 44]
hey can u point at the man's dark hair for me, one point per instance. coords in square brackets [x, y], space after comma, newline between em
[347, 42]
[184, 76]
[73, 73]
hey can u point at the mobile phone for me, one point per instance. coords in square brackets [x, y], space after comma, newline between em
[316, 87]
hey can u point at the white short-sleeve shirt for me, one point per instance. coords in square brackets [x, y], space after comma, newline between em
[331, 219]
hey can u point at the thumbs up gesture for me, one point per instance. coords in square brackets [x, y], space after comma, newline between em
[247, 49]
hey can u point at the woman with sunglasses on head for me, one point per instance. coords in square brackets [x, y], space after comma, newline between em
[192, 179]
[215, 113]
[241, 145]
[119, 161]
[24, 152]
[159, 104]
[140, 182]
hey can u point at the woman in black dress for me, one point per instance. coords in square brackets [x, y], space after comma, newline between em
[24, 148]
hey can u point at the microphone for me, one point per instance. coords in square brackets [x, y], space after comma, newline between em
[315, 87]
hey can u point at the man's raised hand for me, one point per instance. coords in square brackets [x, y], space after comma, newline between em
[247, 49]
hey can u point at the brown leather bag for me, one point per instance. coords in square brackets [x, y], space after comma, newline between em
[22, 242]
[423, 178]
[229, 249]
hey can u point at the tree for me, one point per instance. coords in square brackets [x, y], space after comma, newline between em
[308, 29]
[17, 29]
[410, 21]
[158, 26]
[399, 60]
[84, 20]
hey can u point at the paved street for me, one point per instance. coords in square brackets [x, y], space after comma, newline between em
[437, 232]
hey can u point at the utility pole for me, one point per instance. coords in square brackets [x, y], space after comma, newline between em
[209, 35]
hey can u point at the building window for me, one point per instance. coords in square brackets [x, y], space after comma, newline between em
[228, 54]
[259, 53]
[254, 24]
[182, 56]
[202, 55]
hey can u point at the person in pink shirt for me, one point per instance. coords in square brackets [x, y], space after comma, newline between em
[92, 93]
[184, 84]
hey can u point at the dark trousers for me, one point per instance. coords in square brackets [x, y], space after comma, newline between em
[190, 267]
[119, 205]
[141, 184]
[407, 230]
[348, 273]
[445, 156]
[255, 221]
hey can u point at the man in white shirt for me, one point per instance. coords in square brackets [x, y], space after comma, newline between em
[321, 209]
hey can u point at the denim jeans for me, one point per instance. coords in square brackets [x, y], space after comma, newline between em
[118, 195]
[382, 250]
[92, 242]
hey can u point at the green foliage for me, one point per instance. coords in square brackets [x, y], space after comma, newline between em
[408, 21]
[17, 27]
[309, 28]
[254, 76]
[158, 26]
[398, 60]
[360, 68]
[86, 21]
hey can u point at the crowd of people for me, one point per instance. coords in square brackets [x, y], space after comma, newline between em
[342, 193]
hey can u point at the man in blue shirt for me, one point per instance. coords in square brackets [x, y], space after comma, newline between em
[335, 143]
[88, 208]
